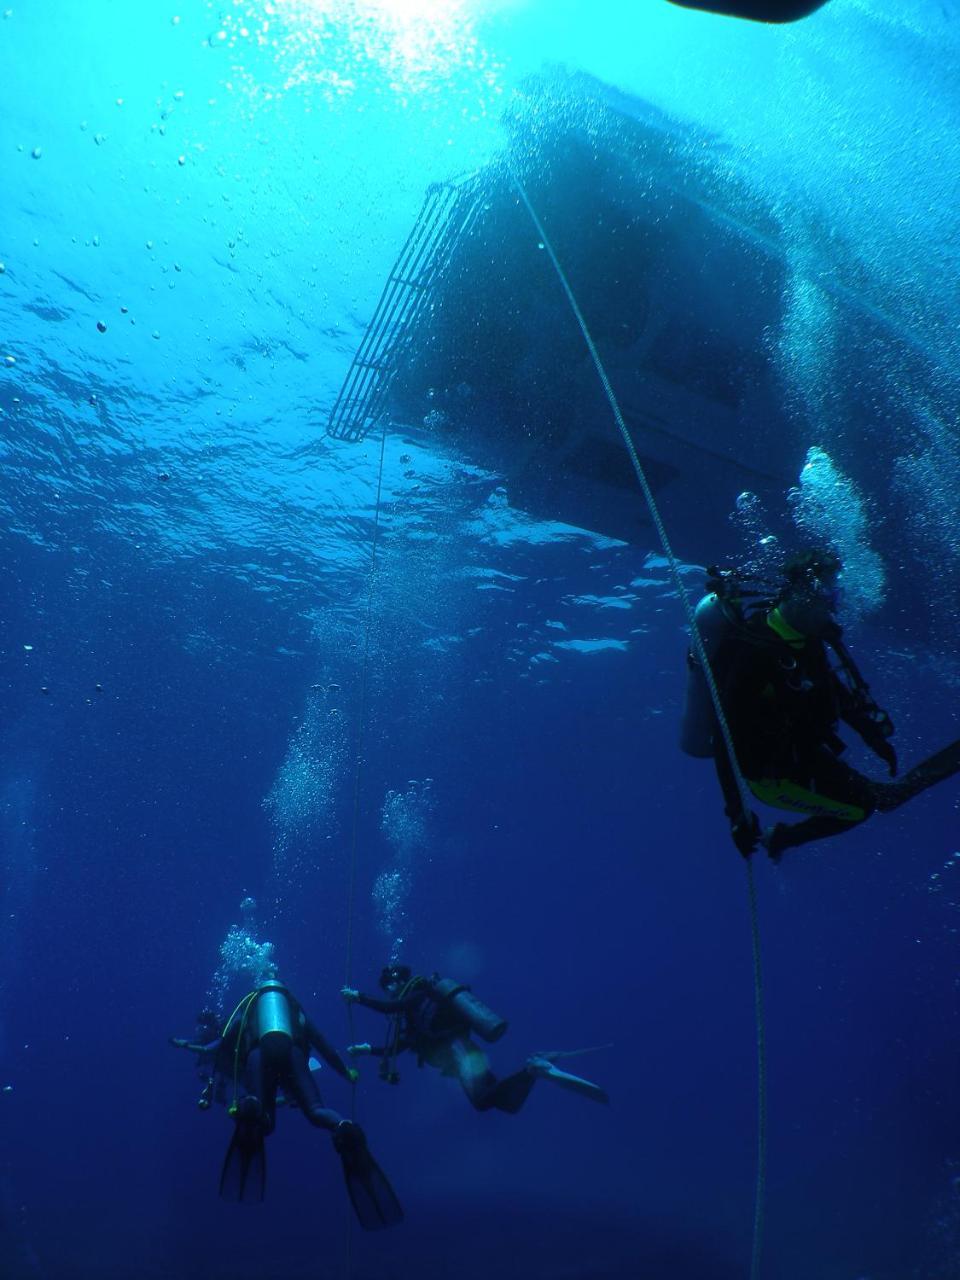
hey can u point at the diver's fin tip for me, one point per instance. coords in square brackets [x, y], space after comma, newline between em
[371, 1194]
[243, 1178]
[541, 1066]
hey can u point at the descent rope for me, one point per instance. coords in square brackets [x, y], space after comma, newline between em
[704, 661]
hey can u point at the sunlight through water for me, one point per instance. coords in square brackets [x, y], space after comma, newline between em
[340, 47]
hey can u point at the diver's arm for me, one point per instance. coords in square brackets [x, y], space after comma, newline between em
[366, 1051]
[381, 1006]
[201, 1050]
[855, 705]
[327, 1052]
[735, 675]
[875, 729]
[868, 720]
[744, 827]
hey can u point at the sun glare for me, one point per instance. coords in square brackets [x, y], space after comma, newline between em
[339, 46]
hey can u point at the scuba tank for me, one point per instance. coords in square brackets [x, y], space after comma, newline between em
[273, 1011]
[474, 1012]
[699, 720]
[732, 598]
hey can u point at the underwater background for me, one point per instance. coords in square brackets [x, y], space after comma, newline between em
[242, 659]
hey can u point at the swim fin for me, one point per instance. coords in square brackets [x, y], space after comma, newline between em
[542, 1067]
[244, 1173]
[929, 772]
[371, 1194]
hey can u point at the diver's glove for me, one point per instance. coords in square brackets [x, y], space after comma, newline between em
[880, 719]
[746, 833]
[353, 1075]
[887, 754]
[876, 731]
[350, 994]
[356, 1050]
[178, 1042]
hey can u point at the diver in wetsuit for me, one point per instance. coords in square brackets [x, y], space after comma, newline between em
[786, 681]
[434, 1018]
[264, 1047]
[206, 1032]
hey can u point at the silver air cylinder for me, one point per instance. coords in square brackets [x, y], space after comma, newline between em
[699, 722]
[273, 1011]
[474, 1012]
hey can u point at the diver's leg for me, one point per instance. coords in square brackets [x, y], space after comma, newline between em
[303, 1088]
[273, 1054]
[512, 1091]
[832, 778]
[244, 1172]
[482, 1087]
[473, 1071]
[829, 781]
[789, 835]
[251, 1085]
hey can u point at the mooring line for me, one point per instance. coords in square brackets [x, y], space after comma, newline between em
[703, 659]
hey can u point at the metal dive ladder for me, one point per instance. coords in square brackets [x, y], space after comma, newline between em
[449, 211]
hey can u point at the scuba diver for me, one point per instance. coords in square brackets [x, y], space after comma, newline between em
[434, 1018]
[786, 681]
[264, 1047]
[206, 1032]
[756, 10]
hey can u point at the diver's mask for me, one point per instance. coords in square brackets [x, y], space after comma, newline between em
[811, 607]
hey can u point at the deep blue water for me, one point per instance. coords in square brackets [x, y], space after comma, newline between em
[199, 643]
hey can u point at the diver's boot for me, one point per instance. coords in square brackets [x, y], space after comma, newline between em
[775, 840]
[541, 1066]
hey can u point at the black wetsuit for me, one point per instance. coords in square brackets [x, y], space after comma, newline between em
[265, 1047]
[784, 701]
[250, 1067]
[430, 1027]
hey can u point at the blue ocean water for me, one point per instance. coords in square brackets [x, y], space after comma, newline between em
[230, 671]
